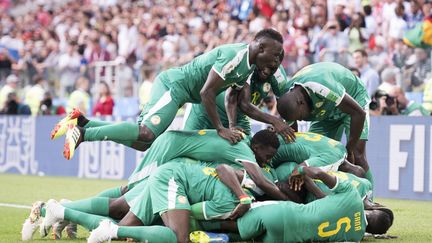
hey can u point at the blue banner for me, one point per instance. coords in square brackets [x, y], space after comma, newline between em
[398, 150]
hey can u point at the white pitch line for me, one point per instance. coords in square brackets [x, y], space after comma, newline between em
[12, 205]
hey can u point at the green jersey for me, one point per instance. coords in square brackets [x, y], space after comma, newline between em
[230, 62]
[415, 109]
[314, 149]
[198, 118]
[326, 84]
[337, 217]
[363, 186]
[204, 145]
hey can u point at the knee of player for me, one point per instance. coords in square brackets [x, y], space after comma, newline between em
[145, 134]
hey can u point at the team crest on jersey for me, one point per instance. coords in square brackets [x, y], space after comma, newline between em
[181, 199]
[266, 87]
[155, 120]
[319, 104]
[202, 132]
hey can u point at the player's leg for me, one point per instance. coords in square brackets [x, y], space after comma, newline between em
[108, 230]
[331, 129]
[178, 221]
[196, 119]
[115, 192]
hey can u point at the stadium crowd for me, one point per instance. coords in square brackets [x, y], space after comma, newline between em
[49, 53]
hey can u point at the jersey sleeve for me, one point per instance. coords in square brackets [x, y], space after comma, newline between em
[279, 81]
[342, 186]
[242, 153]
[228, 64]
[328, 90]
[285, 170]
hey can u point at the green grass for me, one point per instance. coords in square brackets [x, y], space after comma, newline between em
[412, 218]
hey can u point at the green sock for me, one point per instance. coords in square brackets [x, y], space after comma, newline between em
[89, 221]
[124, 133]
[147, 233]
[210, 225]
[369, 177]
[111, 193]
[92, 123]
[43, 211]
[93, 205]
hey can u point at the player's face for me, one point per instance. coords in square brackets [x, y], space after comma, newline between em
[268, 58]
[264, 153]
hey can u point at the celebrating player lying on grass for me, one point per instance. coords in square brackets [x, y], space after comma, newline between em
[335, 100]
[199, 81]
[248, 98]
[315, 150]
[336, 217]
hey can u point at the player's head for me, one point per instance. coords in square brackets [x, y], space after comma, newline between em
[379, 220]
[264, 144]
[261, 76]
[267, 51]
[294, 105]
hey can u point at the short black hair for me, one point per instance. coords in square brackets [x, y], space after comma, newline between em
[367, 10]
[266, 137]
[269, 33]
[362, 52]
[380, 222]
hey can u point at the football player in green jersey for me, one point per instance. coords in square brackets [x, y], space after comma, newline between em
[335, 100]
[251, 96]
[336, 217]
[199, 81]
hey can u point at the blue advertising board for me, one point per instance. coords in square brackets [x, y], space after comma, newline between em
[398, 150]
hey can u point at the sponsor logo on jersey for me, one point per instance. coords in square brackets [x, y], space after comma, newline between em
[181, 199]
[319, 104]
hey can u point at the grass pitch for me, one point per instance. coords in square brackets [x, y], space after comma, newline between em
[413, 219]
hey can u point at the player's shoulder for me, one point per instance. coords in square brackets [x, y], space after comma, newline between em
[231, 50]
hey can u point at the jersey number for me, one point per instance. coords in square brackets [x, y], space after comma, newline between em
[310, 136]
[323, 233]
[255, 96]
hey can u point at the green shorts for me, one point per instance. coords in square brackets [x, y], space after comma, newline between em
[335, 128]
[139, 201]
[167, 191]
[162, 107]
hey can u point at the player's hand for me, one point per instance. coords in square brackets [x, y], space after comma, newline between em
[296, 180]
[232, 136]
[284, 129]
[239, 211]
[238, 129]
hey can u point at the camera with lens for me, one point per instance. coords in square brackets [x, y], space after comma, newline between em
[389, 100]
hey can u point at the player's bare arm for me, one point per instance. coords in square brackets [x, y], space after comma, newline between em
[228, 176]
[253, 112]
[358, 116]
[208, 98]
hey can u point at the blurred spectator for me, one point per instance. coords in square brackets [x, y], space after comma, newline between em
[355, 71]
[370, 21]
[333, 44]
[417, 70]
[388, 78]
[48, 108]
[10, 86]
[80, 98]
[5, 64]
[13, 106]
[105, 103]
[356, 33]
[407, 107]
[342, 18]
[398, 25]
[35, 94]
[415, 14]
[69, 65]
[145, 88]
[368, 75]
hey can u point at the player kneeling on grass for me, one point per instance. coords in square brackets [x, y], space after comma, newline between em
[336, 217]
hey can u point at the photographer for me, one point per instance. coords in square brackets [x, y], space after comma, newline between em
[14, 107]
[47, 107]
[407, 107]
[383, 104]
